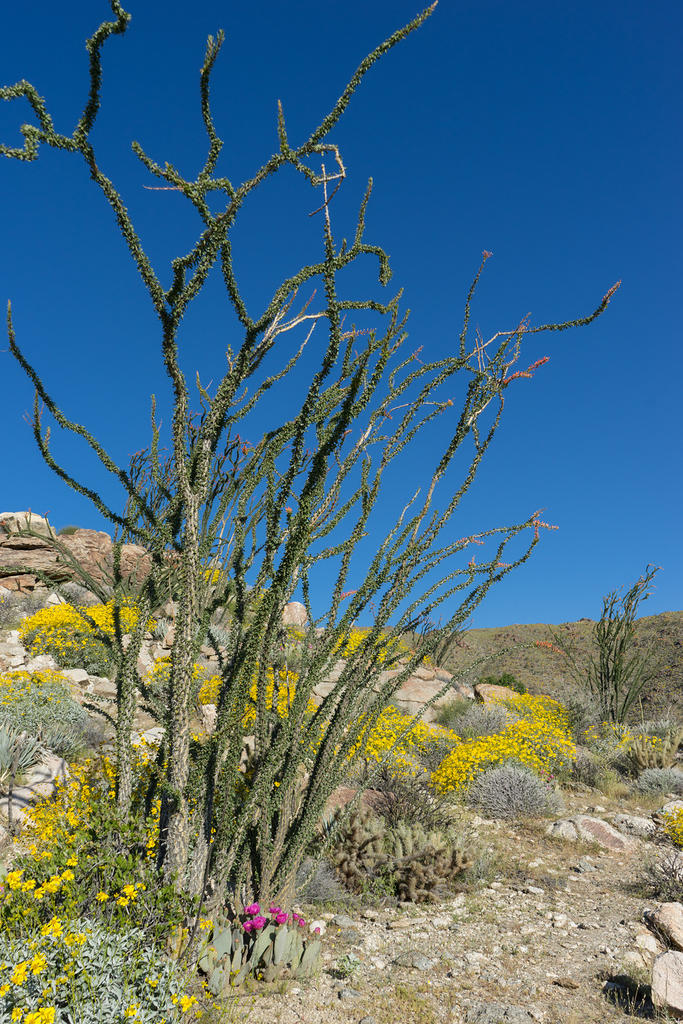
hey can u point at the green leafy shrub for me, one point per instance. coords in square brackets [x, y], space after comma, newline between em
[449, 715]
[83, 973]
[511, 791]
[506, 679]
[67, 531]
[660, 780]
[40, 703]
[80, 859]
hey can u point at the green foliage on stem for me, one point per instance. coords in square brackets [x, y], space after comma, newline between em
[617, 672]
[244, 524]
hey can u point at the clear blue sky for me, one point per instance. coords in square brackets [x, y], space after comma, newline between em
[549, 134]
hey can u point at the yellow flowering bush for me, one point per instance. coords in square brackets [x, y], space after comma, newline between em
[80, 858]
[422, 738]
[61, 632]
[543, 748]
[80, 971]
[539, 710]
[387, 644]
[208, 687]
[673, 825]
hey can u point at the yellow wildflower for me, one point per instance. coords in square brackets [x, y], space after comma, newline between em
[14, 878]
[18, 975]
[38, 964]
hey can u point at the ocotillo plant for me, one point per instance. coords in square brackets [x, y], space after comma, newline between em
[616, 673]
[299, 497]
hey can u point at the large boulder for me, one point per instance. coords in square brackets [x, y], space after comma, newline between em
[294, 614]
[22, 557]
[667, 983]
[489, 693]
[667, 920]
[583, 827]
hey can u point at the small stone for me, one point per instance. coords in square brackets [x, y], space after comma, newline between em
[565, 982]
[415, 960]
[41, 662]
[348, 995]
[342, 921]
[635, 960]
[647, 943]
[634, 825]
[75, 675]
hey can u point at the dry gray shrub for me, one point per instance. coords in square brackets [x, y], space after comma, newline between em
[409, 800]
[482, 720]
[511, 791]
[660, 780]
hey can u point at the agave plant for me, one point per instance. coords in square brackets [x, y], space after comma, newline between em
[19, 753]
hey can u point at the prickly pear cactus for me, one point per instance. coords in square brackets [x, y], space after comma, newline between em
[258, 946]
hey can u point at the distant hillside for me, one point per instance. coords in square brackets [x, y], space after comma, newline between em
[543, 671]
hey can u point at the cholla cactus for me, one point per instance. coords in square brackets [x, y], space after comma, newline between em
[646, 751]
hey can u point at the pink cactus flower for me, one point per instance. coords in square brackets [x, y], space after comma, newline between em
[301, 923]
[248, 925]
[281, 918]
[258, 922]
[253, 908]
[274, 910]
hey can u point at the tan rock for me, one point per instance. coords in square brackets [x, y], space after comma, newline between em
[23, 583]
[488, 693]
[91, 548]
[648, 944]
[667, 983]
[294, 614]
[208, 714]
[12, 522]
[422, 672]
[667, 920]
[343, 795]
